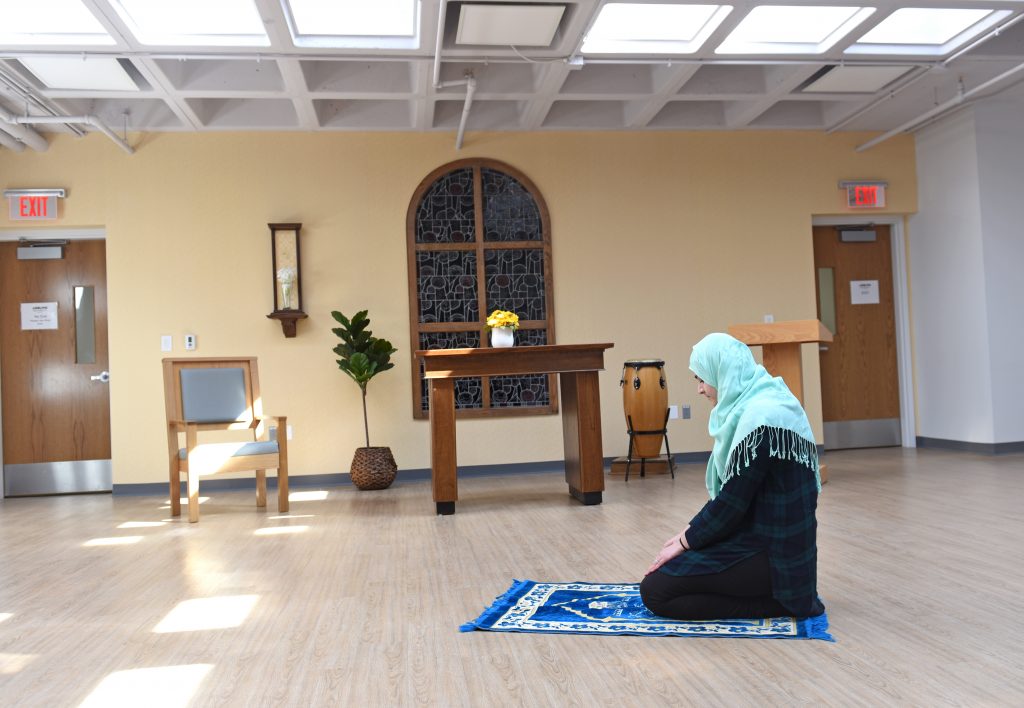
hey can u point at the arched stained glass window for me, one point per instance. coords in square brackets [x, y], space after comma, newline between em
[479, 240]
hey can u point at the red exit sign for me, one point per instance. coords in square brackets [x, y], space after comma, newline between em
[33, 205]
[864, 195]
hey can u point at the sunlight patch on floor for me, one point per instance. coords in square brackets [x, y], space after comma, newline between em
[13, 663]
[5, 615]
[291, 516]
[113, 541]
[207, 613]
[141, 524]
[162, 686]
[280, 530]
[318, 495]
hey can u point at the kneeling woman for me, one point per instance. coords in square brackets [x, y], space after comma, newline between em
[751, 551]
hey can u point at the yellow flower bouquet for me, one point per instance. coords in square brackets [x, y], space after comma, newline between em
[503, 318]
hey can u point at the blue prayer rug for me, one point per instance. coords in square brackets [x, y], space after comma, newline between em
[616, 608]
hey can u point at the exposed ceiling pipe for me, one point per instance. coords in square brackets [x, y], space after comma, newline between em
[921, 74]
[25, 94]
[984, 38]
[440, 41]
[26, 135]
[942, 108]
[469, 82]
[892, 93]
[474, 58]
[470, 90]
[87, 120]
[10, 143]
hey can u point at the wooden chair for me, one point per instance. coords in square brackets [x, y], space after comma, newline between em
[202, 395]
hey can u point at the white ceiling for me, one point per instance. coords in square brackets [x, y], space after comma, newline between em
[303, 85]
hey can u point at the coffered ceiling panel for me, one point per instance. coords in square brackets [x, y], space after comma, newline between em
[319, 65]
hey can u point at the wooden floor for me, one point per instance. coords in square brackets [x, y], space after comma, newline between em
[355, 598]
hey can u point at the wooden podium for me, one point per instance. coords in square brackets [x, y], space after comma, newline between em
[577, 366]
[780, 348]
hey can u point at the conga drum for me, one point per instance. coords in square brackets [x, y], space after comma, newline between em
[645, 400]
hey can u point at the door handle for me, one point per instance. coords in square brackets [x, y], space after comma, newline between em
[822, 347]
[102, 377]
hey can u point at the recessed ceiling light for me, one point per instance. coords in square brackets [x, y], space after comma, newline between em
[50, 22]
[928, 31]
[80, 73]
[508, 25]
[792, 29]
[347, 18]
[193, 22]
[626, 28]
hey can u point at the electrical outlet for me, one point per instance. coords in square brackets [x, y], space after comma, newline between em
[673, 412]
[686, 411]
[768, 319]
[166, 343]
[190, 342]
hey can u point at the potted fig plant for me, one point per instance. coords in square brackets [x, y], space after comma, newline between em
[362, 356]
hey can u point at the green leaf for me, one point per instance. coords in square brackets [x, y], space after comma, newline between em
[360, 355]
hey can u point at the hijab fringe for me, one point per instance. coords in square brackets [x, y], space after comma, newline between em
[783, 444]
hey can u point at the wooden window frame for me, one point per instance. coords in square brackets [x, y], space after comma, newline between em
[479, 246]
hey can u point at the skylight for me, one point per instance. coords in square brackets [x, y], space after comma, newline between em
[380, 18]
[50, 22]
[623, 28]
[930, 31]
[791, 29]
[193, 22]
[354, 23]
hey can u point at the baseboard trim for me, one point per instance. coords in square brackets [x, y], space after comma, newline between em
[979, 448]
[404, 475]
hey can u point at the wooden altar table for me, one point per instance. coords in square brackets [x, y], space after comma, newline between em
[576, 365]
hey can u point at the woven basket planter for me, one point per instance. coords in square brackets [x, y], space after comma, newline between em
[373, 468]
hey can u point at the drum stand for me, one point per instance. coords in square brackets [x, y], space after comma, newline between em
[632, 439]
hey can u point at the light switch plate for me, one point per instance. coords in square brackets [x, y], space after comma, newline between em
[166, 343]
[190, 342]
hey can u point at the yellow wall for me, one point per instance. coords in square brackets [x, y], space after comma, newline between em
[658, 238]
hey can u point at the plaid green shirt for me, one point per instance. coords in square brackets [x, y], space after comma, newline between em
[769, 506]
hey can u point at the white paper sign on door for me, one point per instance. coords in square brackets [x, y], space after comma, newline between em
[863, 292]
[39, 315]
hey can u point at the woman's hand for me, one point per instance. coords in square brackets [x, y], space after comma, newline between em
[669, 550]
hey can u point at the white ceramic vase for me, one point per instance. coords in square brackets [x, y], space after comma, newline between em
[286, 296]
[502, 337]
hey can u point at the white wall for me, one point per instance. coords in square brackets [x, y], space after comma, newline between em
[1000, 141]
[967, 288]
[947, 279]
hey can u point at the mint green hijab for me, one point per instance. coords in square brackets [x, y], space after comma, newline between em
[749, 398]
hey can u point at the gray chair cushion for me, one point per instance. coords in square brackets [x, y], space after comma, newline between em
[267, 447]
[213, 395]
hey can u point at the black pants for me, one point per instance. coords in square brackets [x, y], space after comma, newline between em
[742, 591]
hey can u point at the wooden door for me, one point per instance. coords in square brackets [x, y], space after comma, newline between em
[56, 402]
[859, 380]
